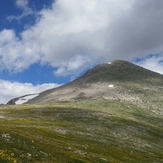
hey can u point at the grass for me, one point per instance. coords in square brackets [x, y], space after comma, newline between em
[98, 131]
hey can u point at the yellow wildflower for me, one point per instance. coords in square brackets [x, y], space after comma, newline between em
[12, 154]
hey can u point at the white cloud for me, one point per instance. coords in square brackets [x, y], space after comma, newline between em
[16, 54]
[73, 67]
[154, 63]
[73, 34]
[11, 90]
[6, 36]
[23, 5]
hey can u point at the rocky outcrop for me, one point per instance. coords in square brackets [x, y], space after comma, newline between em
[12, 101]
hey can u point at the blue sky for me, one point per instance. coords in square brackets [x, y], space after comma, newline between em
[46, 43]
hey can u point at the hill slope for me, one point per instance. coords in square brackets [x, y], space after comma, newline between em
[83, 131]
[119, 80]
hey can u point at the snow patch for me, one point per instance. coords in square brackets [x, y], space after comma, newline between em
[110, 86]
[1, 116]
[24, 99]
[109, 63]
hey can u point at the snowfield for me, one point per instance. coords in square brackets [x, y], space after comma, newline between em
[24, 99]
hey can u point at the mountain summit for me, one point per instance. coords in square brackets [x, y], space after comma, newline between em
[118, 71]
[118, 80]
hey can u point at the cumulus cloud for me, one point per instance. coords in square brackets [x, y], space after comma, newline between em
[138, 31]
[11, 90]
[16, 54]
[73, 34]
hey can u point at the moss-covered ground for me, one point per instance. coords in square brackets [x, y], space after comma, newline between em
[91, 131]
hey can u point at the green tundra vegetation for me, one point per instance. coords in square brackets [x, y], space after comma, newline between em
[81, 131]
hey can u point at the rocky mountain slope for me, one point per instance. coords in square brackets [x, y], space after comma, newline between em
[119, 80]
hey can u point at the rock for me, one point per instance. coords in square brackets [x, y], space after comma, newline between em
[11, 102]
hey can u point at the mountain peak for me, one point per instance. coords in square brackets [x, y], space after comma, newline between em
[118, 71]
[116, 61]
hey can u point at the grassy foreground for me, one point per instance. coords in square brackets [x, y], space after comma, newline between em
[91, 131]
